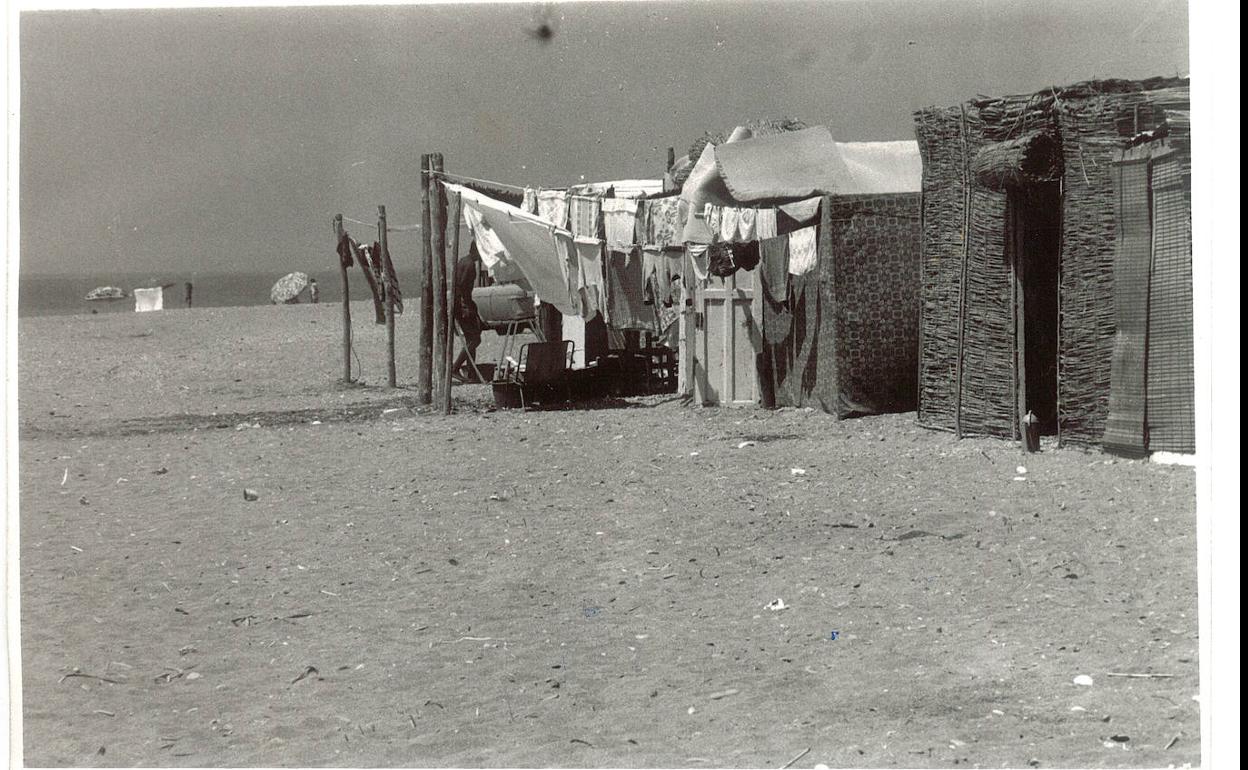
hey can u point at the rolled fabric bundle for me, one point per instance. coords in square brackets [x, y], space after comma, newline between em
[1029, 159]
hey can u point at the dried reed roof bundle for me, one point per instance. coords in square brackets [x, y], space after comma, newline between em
[1031, 158]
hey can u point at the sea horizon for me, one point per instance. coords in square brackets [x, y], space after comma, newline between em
[44, 294]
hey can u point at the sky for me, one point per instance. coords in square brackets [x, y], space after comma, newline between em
[216, 140]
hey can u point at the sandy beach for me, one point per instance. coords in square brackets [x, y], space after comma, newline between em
[576, 588]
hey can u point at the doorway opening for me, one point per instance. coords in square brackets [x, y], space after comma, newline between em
[1036, 224]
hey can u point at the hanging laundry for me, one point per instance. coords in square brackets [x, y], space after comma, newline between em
[529, 202]
[774, 253]
[530, 243]
[803, 251]
[363, 258]
[552, 205]
[698, 260]
[625, 303]
[797, 215]
[745, 228]
[565, 248]
[619, 222]
[345, 258]
[493, 254]
[661, 222]
[591, 285]
[765, 224]
[729, 217]
[584, 213]
[745, 255]
[714, 216]
[391, 278]
[719, 260]
[657, 268]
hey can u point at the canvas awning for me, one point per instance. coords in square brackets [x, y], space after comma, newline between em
[794, 164]
[880, 168]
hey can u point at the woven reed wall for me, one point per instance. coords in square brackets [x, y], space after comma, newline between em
[986, 337]
[1171, 353]
[1093, 128]
[1091, 120]
[939, 135]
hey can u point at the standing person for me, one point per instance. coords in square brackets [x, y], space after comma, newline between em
[465, 313]
[189, 290]
[314, 291]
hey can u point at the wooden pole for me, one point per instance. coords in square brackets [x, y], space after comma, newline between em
[391, 375]
[437, 282]
[671, 158]
[437, 235]
[966, 251]
[452, 256]
[424, 354]
[346, 303]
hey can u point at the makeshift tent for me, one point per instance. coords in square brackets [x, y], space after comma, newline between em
[1022, 293]
[843, 336]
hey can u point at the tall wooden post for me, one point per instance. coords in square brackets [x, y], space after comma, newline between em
[452, 256]
[346, 303]
[437, 234]
[424, 354]
[671, 158]
[391, 375]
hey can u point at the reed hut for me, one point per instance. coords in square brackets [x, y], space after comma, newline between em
[1035, 267]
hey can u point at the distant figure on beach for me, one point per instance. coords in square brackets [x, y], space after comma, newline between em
[189, 291]
[314, 291]
[465, 313]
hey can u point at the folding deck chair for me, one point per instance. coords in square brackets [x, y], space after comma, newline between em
[544, 370]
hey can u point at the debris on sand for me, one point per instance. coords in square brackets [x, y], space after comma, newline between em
[251, 495]
[309, 671]
[775, 605]
[1083, 680]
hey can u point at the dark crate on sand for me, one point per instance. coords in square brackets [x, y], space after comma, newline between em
[978, 158]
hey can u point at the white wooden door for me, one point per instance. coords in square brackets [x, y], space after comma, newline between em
[724, 341]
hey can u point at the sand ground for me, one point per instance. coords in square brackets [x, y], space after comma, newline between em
[564, 588]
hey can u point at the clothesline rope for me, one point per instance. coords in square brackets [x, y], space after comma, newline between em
[445, 175]
[389, 228]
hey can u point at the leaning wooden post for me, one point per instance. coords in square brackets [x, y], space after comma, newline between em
[346, 302]
[424, 371]
[437, 234]
[392, 379]
[452, 256]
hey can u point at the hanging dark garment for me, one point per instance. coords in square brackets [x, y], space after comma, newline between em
[719, 260]
[774, 254]
[391, 278]
[362, 258]
[745, 255]
[344, 251]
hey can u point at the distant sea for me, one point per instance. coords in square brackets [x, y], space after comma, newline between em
[40, 295]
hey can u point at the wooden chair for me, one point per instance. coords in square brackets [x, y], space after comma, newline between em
[544, 371]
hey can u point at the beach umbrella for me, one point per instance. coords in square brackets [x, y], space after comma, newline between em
[288, 288]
